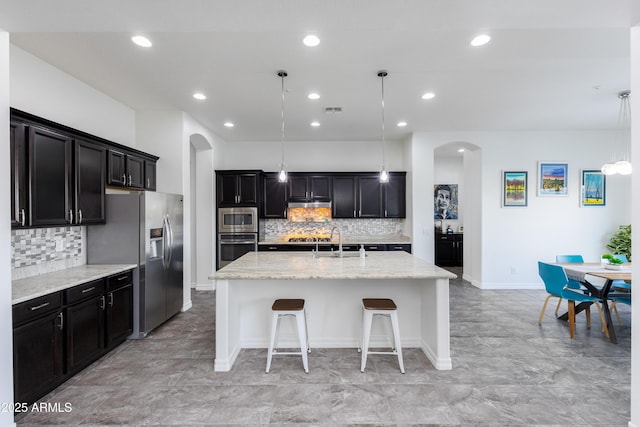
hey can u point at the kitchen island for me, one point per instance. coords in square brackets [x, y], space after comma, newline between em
[333, 288]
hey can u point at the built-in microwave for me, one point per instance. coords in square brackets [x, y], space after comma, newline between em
[238, 220]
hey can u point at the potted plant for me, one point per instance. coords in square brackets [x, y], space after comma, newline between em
[612, 262]
[620, 243]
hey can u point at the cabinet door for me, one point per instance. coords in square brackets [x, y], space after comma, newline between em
[394, 196]
[37, 357]
[369, 197]
[227, 190]
[90, 168]
[116, 168]
[85, 333]
[248, 189]
[297, 187]
[274, 197]
[135, 171]
[51, 179]
[319, 187]
[150, 175]
[445, 251]
[343, 196]
[119, 315]
[18, 168]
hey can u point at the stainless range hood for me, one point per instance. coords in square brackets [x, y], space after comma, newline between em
[314, 204]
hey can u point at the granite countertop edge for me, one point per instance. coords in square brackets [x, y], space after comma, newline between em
[347, 240]
[43, 284]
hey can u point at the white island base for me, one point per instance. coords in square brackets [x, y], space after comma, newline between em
[333, 289]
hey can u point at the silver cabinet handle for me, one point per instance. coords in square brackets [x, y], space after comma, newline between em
[124, 179]
[148, 183]
[22, 217]
[102, 302]
[61, 321]
[129, 179]
[110, 299]
[70, 216]
[79, 216]
[122, 278]
[84, 291]
[38, 307]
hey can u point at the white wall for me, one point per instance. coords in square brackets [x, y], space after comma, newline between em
[306, 156]
[556, 224]
[41, 89]
[6, 334]
[635, 144]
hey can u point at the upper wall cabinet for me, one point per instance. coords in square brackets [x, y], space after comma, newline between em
[274, 196]
[125, 170]
[394, 198]
[237, 188]
[308, 187]
[59, 176]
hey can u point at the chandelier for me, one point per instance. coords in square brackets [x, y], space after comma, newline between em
[622, 165]
[384, 175]
[282, 175]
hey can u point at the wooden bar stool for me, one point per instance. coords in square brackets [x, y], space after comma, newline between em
[380, 307]
[283, 308]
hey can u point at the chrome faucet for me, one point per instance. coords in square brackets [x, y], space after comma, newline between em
[335, 227]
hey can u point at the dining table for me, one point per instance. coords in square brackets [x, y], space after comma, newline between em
[581, 272]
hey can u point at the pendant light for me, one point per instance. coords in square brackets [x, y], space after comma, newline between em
[282, 175]
[384, 175]
[623, 166]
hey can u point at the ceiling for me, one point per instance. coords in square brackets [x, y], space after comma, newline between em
[550, 65]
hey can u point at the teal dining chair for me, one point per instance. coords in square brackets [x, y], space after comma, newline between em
[574, 284]
[624, 287]
[556, 283]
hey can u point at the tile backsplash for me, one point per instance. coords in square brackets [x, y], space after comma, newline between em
[42, 250]
[275, 228]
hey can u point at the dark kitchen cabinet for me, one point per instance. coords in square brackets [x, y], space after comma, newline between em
[84, 324]
[369, 197]
[305, 187]
[274, 196]
[343, 196]
[125, 170]
[89, 180]
[50, 185]
[119, 308]
[18, 169]
[150, 175]
[398, 247]
[448, 250]
[37, 347]
[394, 196]
[57, 335]
[237, 188]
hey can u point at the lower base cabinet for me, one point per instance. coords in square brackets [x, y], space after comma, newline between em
[448, 250]
[334, 247]
[57, 335]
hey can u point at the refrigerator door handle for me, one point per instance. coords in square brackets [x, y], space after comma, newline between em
[170, 235]
[165, 243]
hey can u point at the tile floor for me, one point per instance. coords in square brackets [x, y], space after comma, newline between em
[507, 371]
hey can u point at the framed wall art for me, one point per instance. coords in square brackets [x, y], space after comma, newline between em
[593, 185]
[445, 201]
[552, 179]
[514, 188]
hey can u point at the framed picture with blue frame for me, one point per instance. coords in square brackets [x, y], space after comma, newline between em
[514, 188]
[594, 188]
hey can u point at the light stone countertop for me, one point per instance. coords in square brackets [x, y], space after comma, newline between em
[302, 265]
[43, 284]
[346, 240]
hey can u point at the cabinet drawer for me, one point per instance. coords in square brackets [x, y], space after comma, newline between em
[119, 280]
[86, 290]
[36, 307]
[399, 247]
[375, 247]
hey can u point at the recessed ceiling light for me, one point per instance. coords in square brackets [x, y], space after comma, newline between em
[228, 124]
[313, 95]
[429, 95]
[311, 40]
[200, 96]
[480, 40]
[141, 41]
[460, 150]
[315, 124]
[402, 124]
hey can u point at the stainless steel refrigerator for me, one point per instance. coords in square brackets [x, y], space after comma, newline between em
[144, 228]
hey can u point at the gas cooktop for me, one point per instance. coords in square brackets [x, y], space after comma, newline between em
[312, 239]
